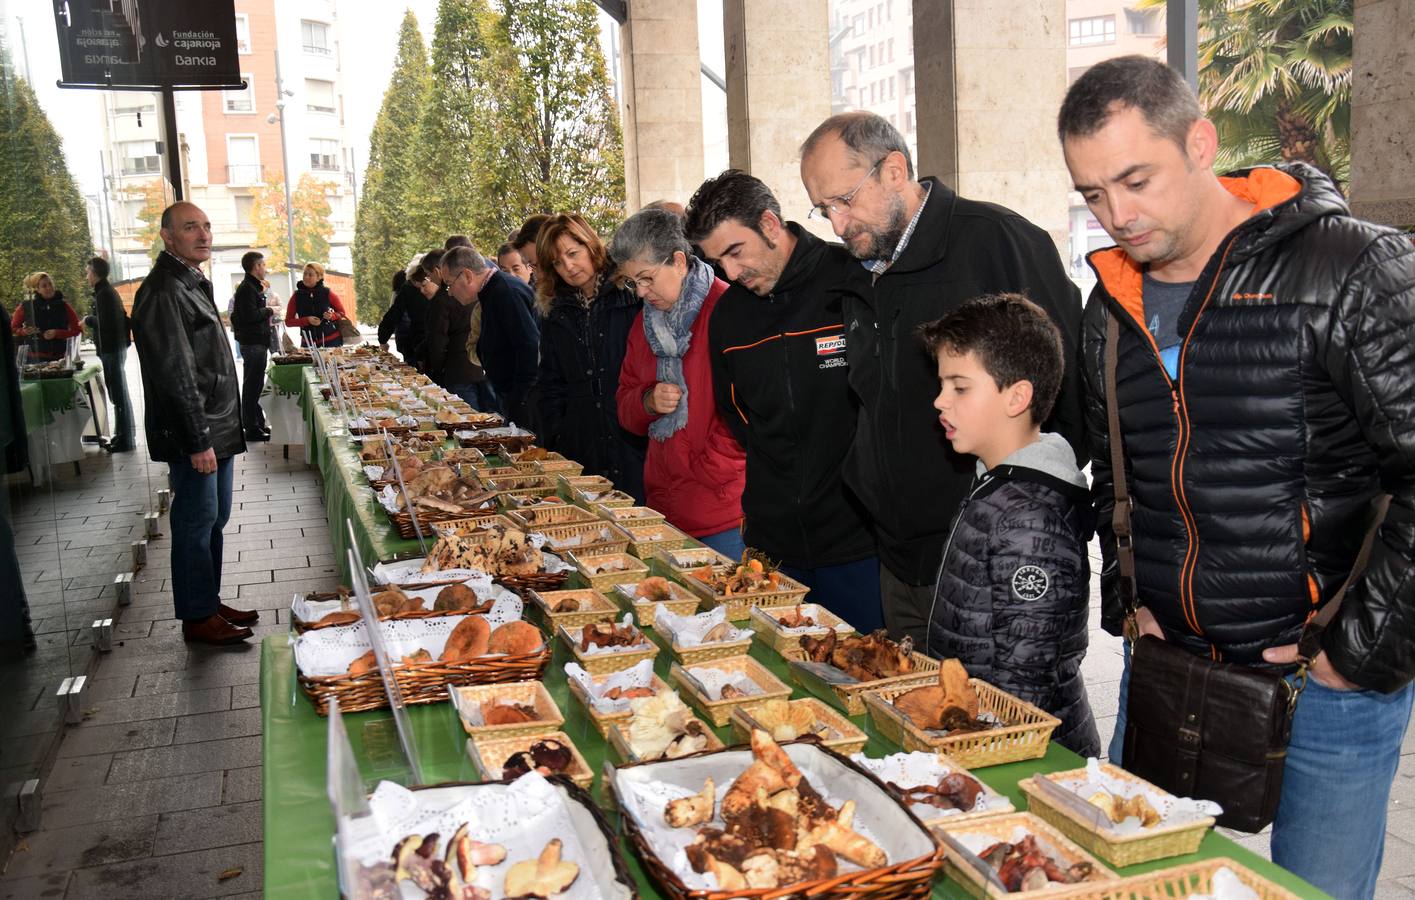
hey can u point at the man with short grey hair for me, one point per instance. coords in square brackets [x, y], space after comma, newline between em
[923, 251]
[504, 338]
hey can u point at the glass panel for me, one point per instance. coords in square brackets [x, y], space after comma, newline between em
[872, 62]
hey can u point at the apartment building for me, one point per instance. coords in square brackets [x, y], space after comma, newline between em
[231, 140]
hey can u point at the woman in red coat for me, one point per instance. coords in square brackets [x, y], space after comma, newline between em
[695, 468]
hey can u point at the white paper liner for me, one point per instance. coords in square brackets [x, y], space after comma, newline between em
[810, 610]
[639, 675]
[507, 603]
[503, 431]
[712, 681]
[522, 816]
[390, 496]
[689, 631]
[1226, 886]
[373, 473]
[644, 791]
[913, 769]
[676, 592]
[328, 651]
[1173, 810]
[976, 842]
[605, 533]
[410, 571]
[471, 710]
[597, 650]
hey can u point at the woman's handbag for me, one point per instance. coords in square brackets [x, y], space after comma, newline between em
[1195, 727]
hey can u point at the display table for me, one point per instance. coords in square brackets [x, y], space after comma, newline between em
[280, 399]
[58, 411]
[299, 821]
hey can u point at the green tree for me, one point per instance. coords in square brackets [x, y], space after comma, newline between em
[154, 200]
[385, 232]
[310, 201]
[43, 223]
[555, 143]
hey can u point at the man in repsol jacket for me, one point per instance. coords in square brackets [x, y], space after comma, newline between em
[1263, 388]
[780, 377]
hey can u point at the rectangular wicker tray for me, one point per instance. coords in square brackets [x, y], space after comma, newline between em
[604, 663]
[585, 538]
[850, 695]
[627, 516]
[535, 518]
[624, 568]
[850, 738]
[766, 621]
[490, 755]
[1177, 882]
[719, 712]
[645, 611]
[594, 607]
[646, 540]
[1025, 733]
[739, 606]
[619, 744]
[602, 721]
[527, 693]
[1001, 828]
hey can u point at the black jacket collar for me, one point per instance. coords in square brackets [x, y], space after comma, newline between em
[184, 273]
[801, 266]
[929, 242]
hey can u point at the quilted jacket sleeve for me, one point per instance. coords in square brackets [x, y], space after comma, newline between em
[1370, 356]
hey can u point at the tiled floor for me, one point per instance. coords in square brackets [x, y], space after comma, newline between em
[157, 794]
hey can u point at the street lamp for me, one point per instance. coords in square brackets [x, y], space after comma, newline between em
[279, 115]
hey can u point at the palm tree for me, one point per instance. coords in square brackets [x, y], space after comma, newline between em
[1275, 78]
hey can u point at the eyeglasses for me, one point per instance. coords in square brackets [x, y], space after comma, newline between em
[826, 209]
[646, 281]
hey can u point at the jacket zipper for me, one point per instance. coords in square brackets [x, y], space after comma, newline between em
[942, 560]
[791, 408]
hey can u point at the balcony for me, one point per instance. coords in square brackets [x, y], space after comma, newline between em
[317, 50]
[141, 165]
[244, 174]
[316, 108]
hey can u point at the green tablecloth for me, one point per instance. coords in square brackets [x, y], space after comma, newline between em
[54, 394]
[288, 379]
[299, 822]
[32, 400]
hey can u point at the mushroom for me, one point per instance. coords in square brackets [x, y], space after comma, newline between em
[693, 810]
[545, 876]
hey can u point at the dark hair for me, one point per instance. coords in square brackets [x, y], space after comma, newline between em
[418, 275]
[456, 240]
[400, 278]
[99, 265]
[1161, 95]
[869, 138]
[1013, 340]
[249, 259]
[528, 231]
[573, 226]
[506, 248]
[459, 258]
[432, 259]
[731, 195]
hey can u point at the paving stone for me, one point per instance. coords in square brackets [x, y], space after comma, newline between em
[1399, 859]
[183, 876]
[1390, 889]
[167, 682]
[56, 849]
[217, 726]
[137, 798]
[204, 829]
[162, 706]
[244, 696]
[78, 772]
[39, 887]
[242, 785]
[86, 739]
[179, 759]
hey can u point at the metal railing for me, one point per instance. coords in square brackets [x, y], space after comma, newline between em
[244, 173]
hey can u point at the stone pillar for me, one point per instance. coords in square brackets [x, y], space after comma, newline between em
[778, 90]
[988, 86]
[663, 110]
[1382, 110]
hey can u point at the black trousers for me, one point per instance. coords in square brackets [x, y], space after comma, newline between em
[253, 357]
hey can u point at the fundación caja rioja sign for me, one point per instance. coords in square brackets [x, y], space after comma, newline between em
[147, 43]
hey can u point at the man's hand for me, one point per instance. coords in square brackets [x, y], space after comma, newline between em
[311, 320]
[1145, 623]
[663, 399]
[205, 461]
[1321, 668]
[383, 347]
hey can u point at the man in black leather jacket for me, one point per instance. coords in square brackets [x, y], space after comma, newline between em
[193, 419]
[1263, 392]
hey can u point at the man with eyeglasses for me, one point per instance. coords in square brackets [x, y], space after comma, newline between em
[923, 250]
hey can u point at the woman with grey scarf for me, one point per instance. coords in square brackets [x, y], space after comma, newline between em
[695, 468]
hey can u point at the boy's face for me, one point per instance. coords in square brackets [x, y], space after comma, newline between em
[974, 412]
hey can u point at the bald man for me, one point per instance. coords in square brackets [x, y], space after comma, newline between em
[193, 419]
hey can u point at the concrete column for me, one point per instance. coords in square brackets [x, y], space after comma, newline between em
[778, 90]
[987, 89]
[1382, 109]
[663, 110]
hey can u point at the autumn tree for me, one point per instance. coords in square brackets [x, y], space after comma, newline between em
[310, 201]
[385, 232]
[43, 223]
[153, 195]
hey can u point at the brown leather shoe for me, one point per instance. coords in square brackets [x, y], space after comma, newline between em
[238, 616]
[213, 630]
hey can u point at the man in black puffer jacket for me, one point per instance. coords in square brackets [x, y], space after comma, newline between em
[779, 374]
[1263, 391]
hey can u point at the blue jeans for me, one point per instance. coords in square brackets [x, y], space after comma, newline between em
[479, 394]
[117, 382]
[1331, 819]
[728, 543]
[850, 590]
[201, 504]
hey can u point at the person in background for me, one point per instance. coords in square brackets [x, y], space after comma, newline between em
[456, 240]
[112, 337]
[510, 261]
[524, 240]
[16, 627]
[672, 206]
[251, 322]
[449, 326]
[193, 419]
[781, 383]
[46, 320]
[695, 469]
[586, 317]
[504, 339]
[315, 310]
[406, 318]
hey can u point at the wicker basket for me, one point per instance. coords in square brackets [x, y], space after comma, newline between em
[403, 521]
[1177, 882]
[489, 756]
[621, 754]
[472, 524]
[463, 456]
[1024, 734]
[719, 712]
[602, 721]
[569, 484]
[850, 696]
[596, 500]
[767, 621]
[1119, 850]
[646, 611]
[1000, 828]
[503, 483]
[629, 516]
[427, 683]
[536, 581]
[585, 538]
[605, 662]
[493, 443]
[541, 516]
[622, 569]
[556, 465]
[528, 693]
[956, 817]
[390, 429]
[789, 591]
[646, 540]
[849, 739]
[594, 607]
[489, 471]
[684, 560]
[471, 420]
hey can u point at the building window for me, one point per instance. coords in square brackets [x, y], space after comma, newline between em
[139, 158]
[891, 49]
[872, 56]
[135, 108]
[243, 33]
[241, 101]
[908, 121]
[319, 95]
[242, 159]
[908, 76]
[324, 155]
[1142, 21]
[859, 27]
[1095, 30]
[891, 87]
[245, 204]
[315, 36]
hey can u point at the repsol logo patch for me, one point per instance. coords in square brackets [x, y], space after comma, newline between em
[833, 345]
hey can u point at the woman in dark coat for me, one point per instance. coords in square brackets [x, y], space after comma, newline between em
[315, 310]
[587, 319]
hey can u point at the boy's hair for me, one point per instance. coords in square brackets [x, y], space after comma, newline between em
[249, 259]
[99, 265]
[1013, 339]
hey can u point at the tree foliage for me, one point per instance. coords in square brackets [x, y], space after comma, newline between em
[43, 222]
[154, 200]
[385, 232]
[313, 229]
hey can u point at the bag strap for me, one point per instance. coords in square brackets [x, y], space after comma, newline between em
[1123, 505]
[1309, 643]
